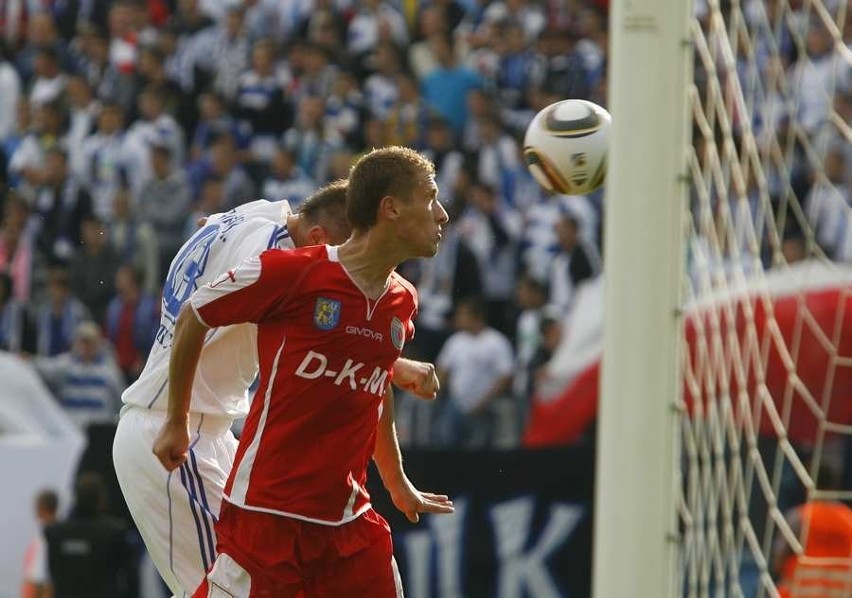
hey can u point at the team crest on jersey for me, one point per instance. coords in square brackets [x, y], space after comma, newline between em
[397, 333]
[326, 313]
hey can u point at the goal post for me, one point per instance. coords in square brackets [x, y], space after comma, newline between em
[726, 386]
[635, 524]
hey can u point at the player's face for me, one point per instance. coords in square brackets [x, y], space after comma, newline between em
[423, 218]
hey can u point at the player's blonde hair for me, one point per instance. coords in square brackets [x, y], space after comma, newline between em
[386, 171]
[327, 208]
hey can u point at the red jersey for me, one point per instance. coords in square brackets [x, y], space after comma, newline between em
[326, 355]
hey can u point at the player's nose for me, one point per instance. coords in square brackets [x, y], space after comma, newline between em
[441, 215]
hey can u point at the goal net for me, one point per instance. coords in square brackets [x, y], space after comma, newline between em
[766, 425]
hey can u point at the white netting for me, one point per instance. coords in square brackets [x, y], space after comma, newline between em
[767, 421]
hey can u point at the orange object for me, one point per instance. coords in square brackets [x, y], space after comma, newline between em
[825, 568]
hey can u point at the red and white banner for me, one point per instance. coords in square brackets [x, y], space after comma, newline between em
[785, 339]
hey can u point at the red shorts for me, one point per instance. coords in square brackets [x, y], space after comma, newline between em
[267, 556]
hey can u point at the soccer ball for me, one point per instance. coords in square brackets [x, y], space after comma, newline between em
[565, 146]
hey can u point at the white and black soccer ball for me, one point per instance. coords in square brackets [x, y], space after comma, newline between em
[565, 146]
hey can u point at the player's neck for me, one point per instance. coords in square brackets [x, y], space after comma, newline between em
[369, 262]
[294, 229]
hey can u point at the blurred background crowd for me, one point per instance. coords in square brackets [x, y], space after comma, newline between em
[122, 122]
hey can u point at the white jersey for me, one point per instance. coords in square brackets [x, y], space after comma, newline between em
[228, 362]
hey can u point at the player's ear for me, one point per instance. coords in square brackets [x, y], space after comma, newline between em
[317, 235]
[389, 207]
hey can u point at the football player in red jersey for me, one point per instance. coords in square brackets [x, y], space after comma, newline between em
[175, 511]
[331, 321]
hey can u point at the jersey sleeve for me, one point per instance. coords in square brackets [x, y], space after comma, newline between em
[260, 234]
[413, 298]
[252, 291]
[409, 327]
[276, 211]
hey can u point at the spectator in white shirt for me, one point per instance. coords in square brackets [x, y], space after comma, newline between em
[577, 262]
[528, 15]
[343, 109]
[380, 88]
[593, 43]
[817, 76]
[317, 75]
[498, 155]
[10, 92]
[310, 140]
[432, 21]
[223, 51]
[286, 180]
[86, 380]
[451, 276]
[829, 206]
[449, 162]
[492, 230]
[288, 16]
[49, 82]
[28, 160]
[376, 21]
[83, 110]
[532, 298]
[156, 126]
[111, 158]
[475, 366]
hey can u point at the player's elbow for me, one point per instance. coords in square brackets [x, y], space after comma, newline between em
[188, 319]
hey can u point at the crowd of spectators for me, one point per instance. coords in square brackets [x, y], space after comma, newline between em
[122, 122]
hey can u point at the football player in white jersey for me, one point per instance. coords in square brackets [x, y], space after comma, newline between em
[175, 511]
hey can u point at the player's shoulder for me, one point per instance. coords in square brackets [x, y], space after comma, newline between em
[241, 239]
[314, 254]
[404, 286]
[276, 211]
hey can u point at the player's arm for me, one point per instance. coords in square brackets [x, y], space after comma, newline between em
[245, 294]
[417, 377]
[388, 459]
[172, 443]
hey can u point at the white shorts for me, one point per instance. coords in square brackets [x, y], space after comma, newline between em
[175, 511]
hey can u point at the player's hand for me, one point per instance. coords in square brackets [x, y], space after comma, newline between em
[417, 377]
[172, 444]
[412, 501]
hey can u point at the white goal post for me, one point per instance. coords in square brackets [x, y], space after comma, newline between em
[635, 514]
[725, 421]
[646, 191]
